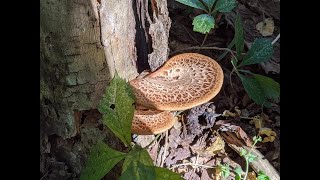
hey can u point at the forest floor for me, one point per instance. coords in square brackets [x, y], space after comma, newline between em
[207, 135]
[211, 134]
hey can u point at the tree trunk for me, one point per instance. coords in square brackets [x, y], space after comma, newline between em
[82, 44]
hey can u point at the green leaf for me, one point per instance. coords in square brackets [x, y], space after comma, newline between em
[100, 161]
[254, 90]
[239, 36]
[203, 23]
[261, 88]
[271, 87]
[262, 176]
[117, 108]
[138, 165]
[166, 174]
[260, 51]
[238, 172]
[257, 139]
[209, 3]
[225, 5]
[193, 3]
[225, 169]
[243, 152]
[250, 157]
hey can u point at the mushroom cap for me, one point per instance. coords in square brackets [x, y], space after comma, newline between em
[150, 121]
[184, 81]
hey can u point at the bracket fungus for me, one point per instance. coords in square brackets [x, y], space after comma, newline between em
[184, 81]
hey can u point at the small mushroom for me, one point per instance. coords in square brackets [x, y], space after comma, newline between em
[184, 81]
[151, 121]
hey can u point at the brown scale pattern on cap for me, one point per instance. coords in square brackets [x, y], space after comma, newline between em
[151, 121]
[184, 81]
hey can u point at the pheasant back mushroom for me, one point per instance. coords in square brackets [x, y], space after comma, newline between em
[184, 81]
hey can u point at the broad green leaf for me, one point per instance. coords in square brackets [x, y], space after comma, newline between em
[270, 86]
[225, 5]
[193, 3]
[209, 3]
[260, 51]
[117, 108]
[166, 174]
[138, 165]
[100, 161]
[238, 172]
[239, 36]
[262, 176]
[203, 23]
[254, 90]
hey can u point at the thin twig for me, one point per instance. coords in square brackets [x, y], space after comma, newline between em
[192, 164]
[276, 39]
[44, 175]
[165, 149]
[152, 141]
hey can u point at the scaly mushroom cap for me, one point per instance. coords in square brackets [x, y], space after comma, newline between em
[150, 121]
[184, 81]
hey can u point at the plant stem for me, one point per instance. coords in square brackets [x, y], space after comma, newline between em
[204, 40]
[247, 169]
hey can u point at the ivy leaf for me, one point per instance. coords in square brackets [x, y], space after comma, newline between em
[193, 3]
[203, 23]
[166, 174]
[100, 161]
[117, 108]
[209, 3]
[260, 51]
[138, 165]
[225, 5]
[239, 39]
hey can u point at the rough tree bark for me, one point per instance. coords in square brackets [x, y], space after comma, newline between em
[82, 44]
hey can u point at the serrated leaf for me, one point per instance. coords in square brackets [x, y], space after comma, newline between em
[260, 51]
[239, 39]
[254, 90]
[270, 86]
[209, 3]
[262, 176]
[203, 23]
[225, 5]
[138, 165]
[100, 161]
[166, 174]
[117, 108]
[193, 3]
